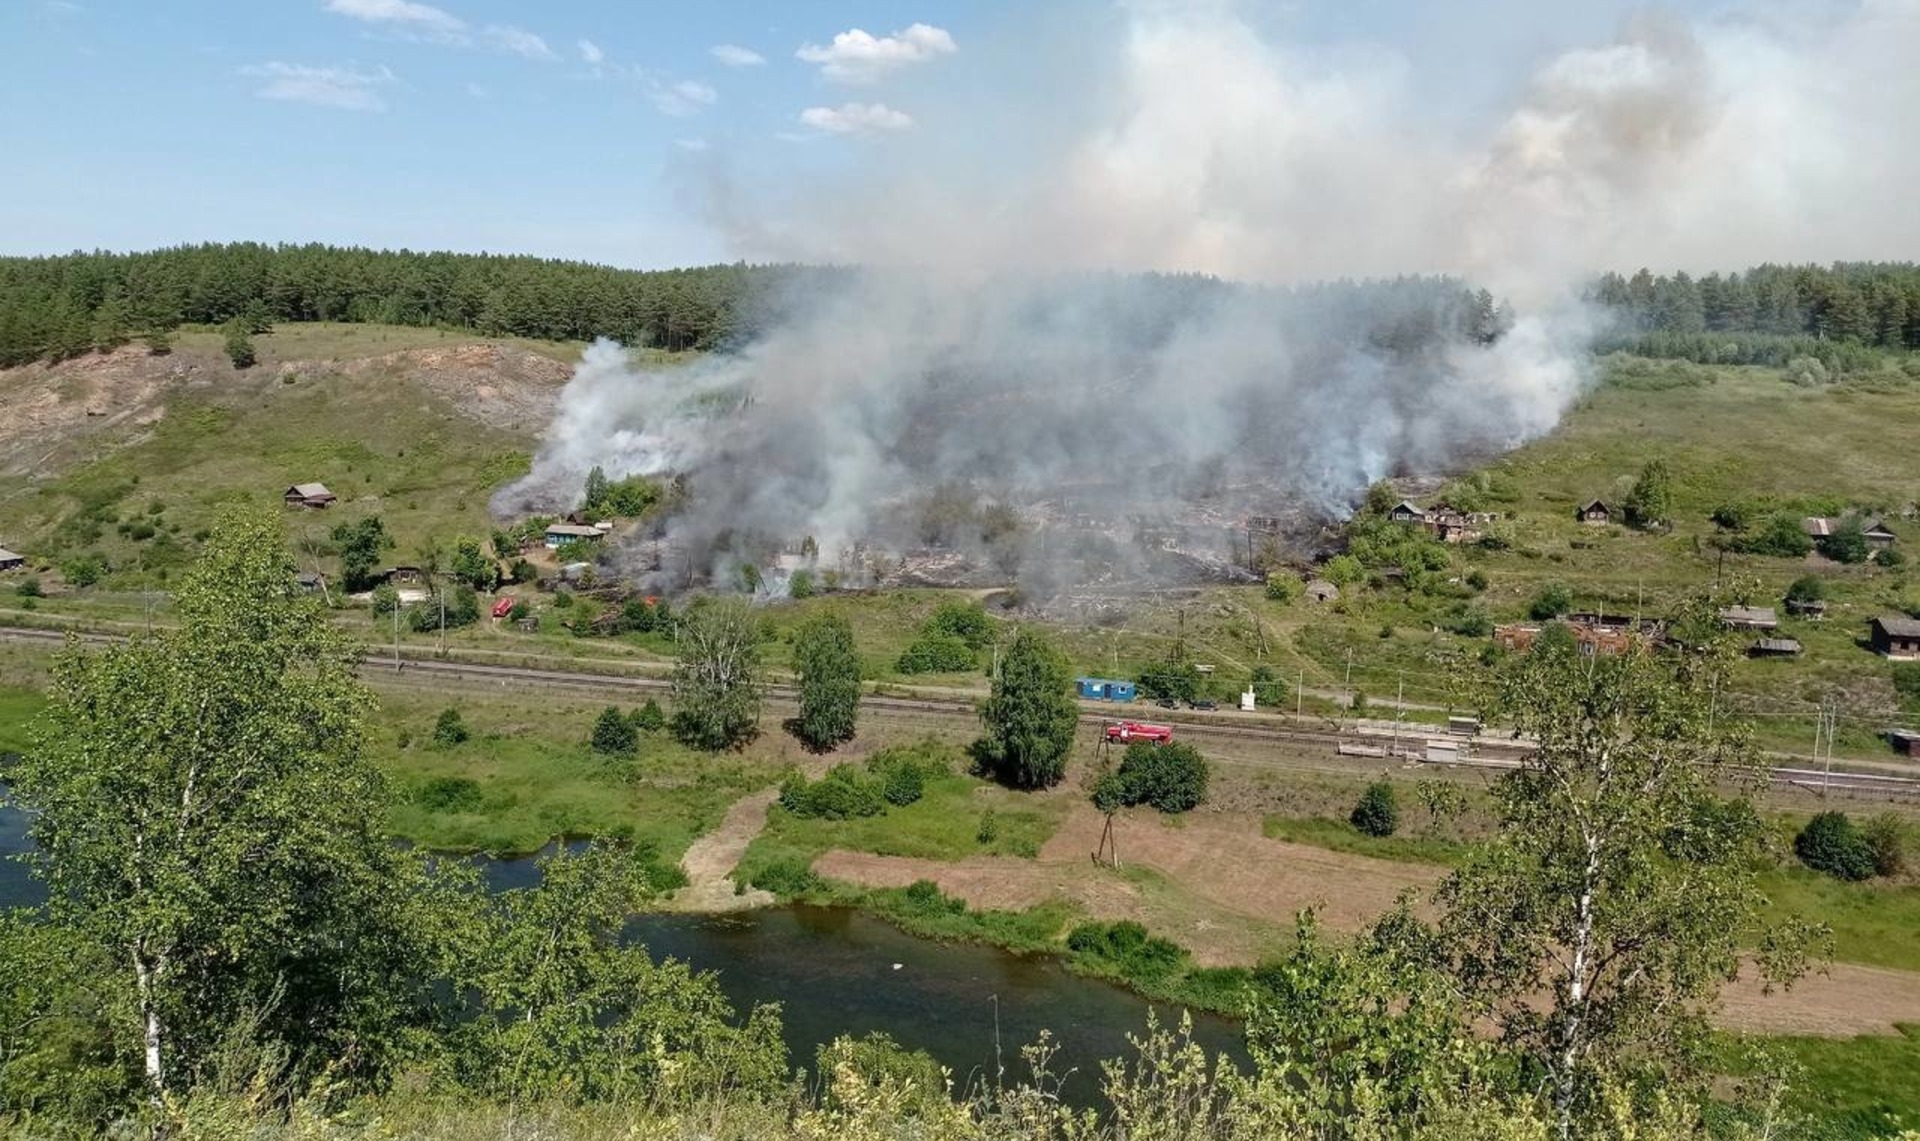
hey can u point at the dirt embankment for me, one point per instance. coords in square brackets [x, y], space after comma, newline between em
[56, 413]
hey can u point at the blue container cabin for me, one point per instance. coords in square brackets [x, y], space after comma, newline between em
[1101, 689]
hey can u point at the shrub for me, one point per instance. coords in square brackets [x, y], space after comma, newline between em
[1831, 843]
[1890, 558]
[1282, 587]
[1807, 588]
[450, 729]
[800, 585]
[902, 784]
[989, 829]
[613, 734]
[1268, 689]
[1781, 538]
[1378, 811]
[1553, 600]
[1127, 946]
[650, 718]
[1886, 839]
[1469, 622]
[1650, 503]
[1732, 516]
[29, 588]
[1848, 543]
[562, 600]
[84, 570]
[1176, 681]
[786, 877]
[845, 793]
[1477, 579]
[964, 621]
[1359, 705]
[923, 898]
[449, 794]
[1172, 778]
[935, 652]
[386, 600]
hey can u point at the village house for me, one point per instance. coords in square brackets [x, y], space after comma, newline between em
[1896, 637]
[1449, 524]
[1594, 513]
[560, 534]
[1904, 741]
[1875, 530]
[314, 495]
[1750, 618]
[10, 561]
[1774, 648]
[1406, 512]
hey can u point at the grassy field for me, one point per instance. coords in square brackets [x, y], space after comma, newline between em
[1850, 1089]
[338, 341]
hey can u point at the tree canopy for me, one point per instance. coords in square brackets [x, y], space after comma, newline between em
[1031, 715]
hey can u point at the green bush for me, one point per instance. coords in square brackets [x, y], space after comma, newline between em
[1378, 811]
[924, 899]
[450, 729]
[1282, 587]
[1172, 778]
[965, 621]
[1268, 690]
[786, 877]
[84, 570]
[1890, 558]
[1127, 947]
[30, 588]
[1477, 579]
[650, 718]
[1848, 543]
[386, 600]
[936, 652]
[1886, 839]
[449, 794]
[901, 785]
[845, 793]
[800, 585]
[1906, 680]
[1831, 843]
[1174, 681]
[1551, 602]
[989, 829]
[1781, 538]
[614, 735]
[1807, 588]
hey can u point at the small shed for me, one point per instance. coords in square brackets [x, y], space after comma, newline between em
[1897, 637]
[1594, 513]
[314, 495]
[1813, 608]
[560, 534]
[10, 561]
[1750, 617]
[310, 581]
[1406, 511]
[1104, 689]
[1320, 590]
[1774, 648]
[1904, 741]
[1878, 537]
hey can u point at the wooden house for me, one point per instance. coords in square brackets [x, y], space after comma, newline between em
[1406, 511]
[1594, 513]
[10, 561]
[1897, 637]
[1750, 618]
[314, 495]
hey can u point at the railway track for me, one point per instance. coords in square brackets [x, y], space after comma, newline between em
[1488, 753]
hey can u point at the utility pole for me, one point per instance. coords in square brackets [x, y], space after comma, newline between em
[1399, 708]
[442, 595]
[1300, 694]
[396, 635]
[1349, 682]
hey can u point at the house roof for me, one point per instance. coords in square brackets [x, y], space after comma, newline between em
[1823, 528]
[575, 529]
[1749, 614]
[7, 556]
[310, 490]
[1408, 506]
[1778, 645]
[1876, 527]
[1591, 504]
[1899, 626]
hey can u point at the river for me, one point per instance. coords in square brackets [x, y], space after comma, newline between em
[836, 971]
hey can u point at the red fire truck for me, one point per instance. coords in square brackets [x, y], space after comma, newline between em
[1126, 732]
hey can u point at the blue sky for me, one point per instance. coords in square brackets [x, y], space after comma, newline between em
[584, 128]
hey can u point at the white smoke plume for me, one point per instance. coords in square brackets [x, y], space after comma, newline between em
[986, 352]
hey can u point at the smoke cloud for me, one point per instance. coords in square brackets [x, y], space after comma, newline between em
[986, 386]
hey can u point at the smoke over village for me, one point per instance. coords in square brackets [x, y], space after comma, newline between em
[1212, 298]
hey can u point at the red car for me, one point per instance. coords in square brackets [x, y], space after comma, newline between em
[1129, 731]
[503, 607]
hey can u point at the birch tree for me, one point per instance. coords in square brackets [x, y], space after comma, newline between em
[1598, 927]
[716, 681]
[204, 813]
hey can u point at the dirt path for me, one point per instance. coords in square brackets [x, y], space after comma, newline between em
[1216, 885]
[710, 860]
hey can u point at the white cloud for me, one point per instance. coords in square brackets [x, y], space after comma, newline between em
[859, 57]
[591, 53]
[342, 88]
[686, 97]
[691, 144]
[733, 55]
[856, 119]
[520, 42]
[405, 13]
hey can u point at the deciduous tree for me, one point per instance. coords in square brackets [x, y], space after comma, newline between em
[829, 669]
[716, 681]
[1030, 717]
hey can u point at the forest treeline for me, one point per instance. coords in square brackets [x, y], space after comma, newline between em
[1765, 312]
[60, 307]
